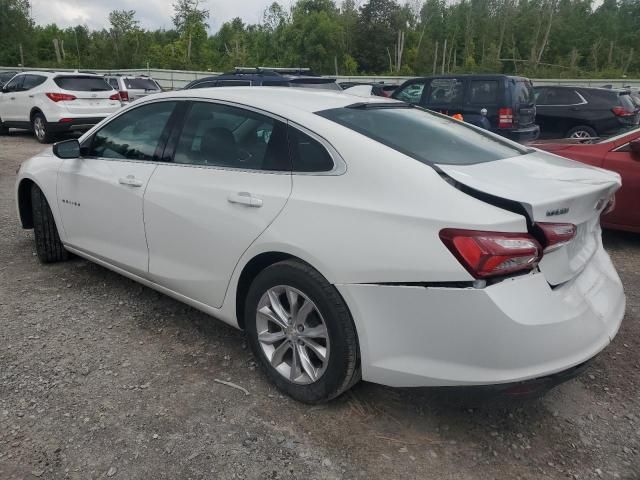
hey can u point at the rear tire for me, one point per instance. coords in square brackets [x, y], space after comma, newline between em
[48, 245]
[327, 313]
[582, 132]
[41, 128]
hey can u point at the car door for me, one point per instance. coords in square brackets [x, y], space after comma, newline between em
[229, 180]
[100, 195]
[625, 162]
[9, 109]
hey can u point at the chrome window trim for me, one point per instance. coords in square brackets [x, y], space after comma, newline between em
[622, 148]
[339, 164]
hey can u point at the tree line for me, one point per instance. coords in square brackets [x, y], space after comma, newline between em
[536, 38]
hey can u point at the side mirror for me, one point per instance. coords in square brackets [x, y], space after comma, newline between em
[634, 146]
[67, 149]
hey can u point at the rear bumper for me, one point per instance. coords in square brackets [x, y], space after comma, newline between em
[521, 134]
[74, 124]
[516, 330]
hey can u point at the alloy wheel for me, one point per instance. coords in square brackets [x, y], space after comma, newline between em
[292, 334]
[581, 134]
[38, 127]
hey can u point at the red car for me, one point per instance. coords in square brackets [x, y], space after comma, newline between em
[620, 154]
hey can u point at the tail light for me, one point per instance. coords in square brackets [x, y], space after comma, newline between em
[115, 96]
[622, 112]
[487, 254]
[60, 97]
[124, 95]
[505, 118]
[556, 234]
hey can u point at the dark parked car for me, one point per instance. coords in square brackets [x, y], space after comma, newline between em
[500, 103]
[379, 89]
[5, 77]
[266, 77]
[584, 112]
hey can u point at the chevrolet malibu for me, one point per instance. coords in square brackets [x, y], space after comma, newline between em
[350, 238]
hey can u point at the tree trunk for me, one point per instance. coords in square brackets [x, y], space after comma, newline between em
[435, 59]
[552, 9]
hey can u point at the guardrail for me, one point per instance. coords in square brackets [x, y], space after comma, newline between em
[172, 79]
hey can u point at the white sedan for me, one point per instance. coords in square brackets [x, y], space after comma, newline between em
[349, 237]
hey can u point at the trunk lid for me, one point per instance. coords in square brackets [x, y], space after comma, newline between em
[550, 189]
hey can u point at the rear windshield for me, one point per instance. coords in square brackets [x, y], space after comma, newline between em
[319, 84]
[140, 84]
[82, 84]
[524, 93]
[627, 102]
[428, 137]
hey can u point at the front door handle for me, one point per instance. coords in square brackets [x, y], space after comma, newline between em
[245, 198]
[130, 181]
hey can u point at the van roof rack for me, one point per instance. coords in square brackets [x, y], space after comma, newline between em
[278, 70]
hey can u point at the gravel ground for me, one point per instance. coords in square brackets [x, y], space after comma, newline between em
[103, 378]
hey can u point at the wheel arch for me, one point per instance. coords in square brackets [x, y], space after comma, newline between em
[34, 112]
[253, 267]
[24, 202]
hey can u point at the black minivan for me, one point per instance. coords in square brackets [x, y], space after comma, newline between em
[501, 103]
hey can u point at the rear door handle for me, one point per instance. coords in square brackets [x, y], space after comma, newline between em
[130, 181]
[245, 198]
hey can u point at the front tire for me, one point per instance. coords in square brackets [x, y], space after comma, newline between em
[301, 332]
[48, 245]
[41, 129]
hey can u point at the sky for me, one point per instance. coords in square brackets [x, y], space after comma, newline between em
[152, 14]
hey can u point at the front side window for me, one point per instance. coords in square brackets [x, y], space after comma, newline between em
[484, 92]
[15, 84]
[427, 137]
[134, 135]
[411, 93]
[445, 91]
[224, 136]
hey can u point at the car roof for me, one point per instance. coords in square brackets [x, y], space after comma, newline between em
[473, 75]
[52, 74]
[269, 76]
[277, 100]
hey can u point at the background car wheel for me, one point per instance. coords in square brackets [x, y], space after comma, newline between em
[582, 132]
[41, 129]
[48, 245]
[3, 130]
[301, 331]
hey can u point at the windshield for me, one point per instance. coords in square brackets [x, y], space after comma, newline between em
[83, 84]
[322, 85]
[140, 84]
[428, 137]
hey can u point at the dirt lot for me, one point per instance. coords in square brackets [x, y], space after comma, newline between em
[101, 377]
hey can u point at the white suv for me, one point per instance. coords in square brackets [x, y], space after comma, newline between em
[51, 102]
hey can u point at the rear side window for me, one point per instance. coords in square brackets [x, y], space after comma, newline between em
[411, 93]
[425, 136]
[82, 84]
[558, 97]
[140, 84]
[484, 92]
[307, 154]
[445, 91]
[224, 136]
[523, 93]
[134, 135]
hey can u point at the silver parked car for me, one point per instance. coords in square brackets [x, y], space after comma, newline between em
[133, 87]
